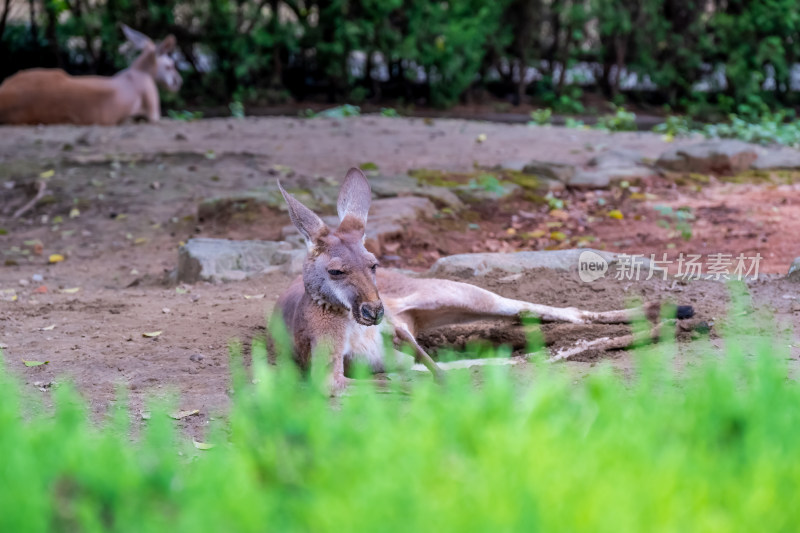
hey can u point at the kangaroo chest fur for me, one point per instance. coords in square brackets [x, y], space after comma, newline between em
[309, 323]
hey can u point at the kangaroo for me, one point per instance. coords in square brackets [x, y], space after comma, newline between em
[344, 303]
[51, 96]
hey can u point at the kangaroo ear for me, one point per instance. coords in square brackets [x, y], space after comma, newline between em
[304, 219]
[354, 197]
[167, 45]
[137, 38]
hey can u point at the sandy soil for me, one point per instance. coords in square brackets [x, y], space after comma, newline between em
[120, 200]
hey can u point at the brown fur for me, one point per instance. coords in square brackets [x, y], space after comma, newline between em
[51, 96]
[339, 301]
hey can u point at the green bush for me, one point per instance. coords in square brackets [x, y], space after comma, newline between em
[264, 51]
[769, 128]
[711, 446]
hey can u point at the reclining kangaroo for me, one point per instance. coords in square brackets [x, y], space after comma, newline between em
[51, 96]
[340, 301]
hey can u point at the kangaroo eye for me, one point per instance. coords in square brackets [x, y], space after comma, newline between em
[335, 273]
[374, 267]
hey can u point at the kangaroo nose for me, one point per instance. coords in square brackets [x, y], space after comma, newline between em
[372, 312]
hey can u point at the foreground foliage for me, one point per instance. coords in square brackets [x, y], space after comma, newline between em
[713, 448]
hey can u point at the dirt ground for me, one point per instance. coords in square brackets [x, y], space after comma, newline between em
[119, 201]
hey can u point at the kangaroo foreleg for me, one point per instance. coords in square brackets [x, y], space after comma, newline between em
[421, 356]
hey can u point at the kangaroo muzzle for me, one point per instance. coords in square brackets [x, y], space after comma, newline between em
[371, 312]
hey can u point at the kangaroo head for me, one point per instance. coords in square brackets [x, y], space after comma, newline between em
[165, 73]
[339, 272]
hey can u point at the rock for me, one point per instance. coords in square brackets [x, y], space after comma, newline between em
[554, 171]
[516, 165]
[389, 217]
[403, 185]
[224, 260]
[508, 264]
[794, 270]
[600, 172]
[617, 159]
[723, 157]
[600, 178]
[477, 193]
[777, 159]
[319, 197]
[225, 207]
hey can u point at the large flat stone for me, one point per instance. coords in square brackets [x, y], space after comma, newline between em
[621, 158]
[501, 264]
[600, 178]
[723, 157]
[249, 203]
[785, 159]
[600, 172]
[404, 185]
[554, 171]
[225, 260]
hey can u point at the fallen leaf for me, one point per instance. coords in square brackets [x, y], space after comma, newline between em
[180, 415]
[151, 334]
[35, 363]
[55, 258]
[47, 174]
[180, 290]
[48, 328]
[8, 295]
[616, 213]
[41, 289]
[74, 212]
[202, 445]
[558, 235]
[140, 240]
[559, 214]
[71, 290]
[481, 138]
[253, 296]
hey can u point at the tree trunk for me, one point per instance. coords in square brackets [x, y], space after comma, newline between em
[4, 18]
[34, 27]
[52, 38]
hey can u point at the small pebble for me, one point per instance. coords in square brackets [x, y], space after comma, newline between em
[196, 357]
[24, 282]
[38, 278]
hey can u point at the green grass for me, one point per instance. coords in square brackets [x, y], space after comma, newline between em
[712, 448]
